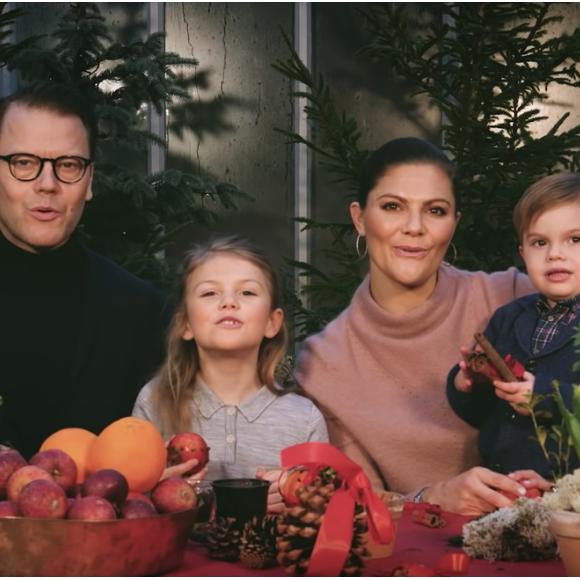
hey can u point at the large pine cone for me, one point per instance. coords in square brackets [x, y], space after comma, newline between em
[298, 529]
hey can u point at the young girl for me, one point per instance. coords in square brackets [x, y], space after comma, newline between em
[225, 341]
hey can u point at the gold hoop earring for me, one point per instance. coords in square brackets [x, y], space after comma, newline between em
[357, 248]
[452, 245]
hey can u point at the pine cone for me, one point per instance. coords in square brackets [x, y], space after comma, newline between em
[358, 556]
[258, 543]
[223, 540]
[298, 529]
[316, 495]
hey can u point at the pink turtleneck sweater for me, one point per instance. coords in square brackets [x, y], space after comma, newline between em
[380, 378]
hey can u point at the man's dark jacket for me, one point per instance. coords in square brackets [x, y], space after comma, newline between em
[79, 337]
[121, 343]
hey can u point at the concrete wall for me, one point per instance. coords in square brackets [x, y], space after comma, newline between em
[238, 101]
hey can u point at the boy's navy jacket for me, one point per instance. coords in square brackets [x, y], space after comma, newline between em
[507, 439]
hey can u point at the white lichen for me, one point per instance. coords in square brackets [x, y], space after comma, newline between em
[566, 495]
[519, 533]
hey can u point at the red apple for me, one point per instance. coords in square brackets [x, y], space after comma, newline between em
[531, 493]
[186, 446]
[8, 509]
[137, 508]
[141, 496]
[10, 461]
[107, 483]
[76, 491]
[42, 499]
[69, 502]
[60, 465]
[172, 495]
[91, 509]
[22, 477]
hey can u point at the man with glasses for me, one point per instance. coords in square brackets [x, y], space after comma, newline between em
[79, 336]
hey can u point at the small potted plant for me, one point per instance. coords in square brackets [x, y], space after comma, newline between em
[530, 530]
[563, 502]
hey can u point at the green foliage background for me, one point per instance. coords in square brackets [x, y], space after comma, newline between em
[133, 216]
[487, 66]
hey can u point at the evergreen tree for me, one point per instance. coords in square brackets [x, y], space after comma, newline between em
[131, 213]
[487, 66]
[8, 19]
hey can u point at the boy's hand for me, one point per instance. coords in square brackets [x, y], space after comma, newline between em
[464, 378]
[519, 394]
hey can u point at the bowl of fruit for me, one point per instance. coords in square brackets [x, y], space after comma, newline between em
[65, 516]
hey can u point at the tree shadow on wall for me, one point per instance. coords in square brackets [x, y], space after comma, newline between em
[343, 32]
[203, 116]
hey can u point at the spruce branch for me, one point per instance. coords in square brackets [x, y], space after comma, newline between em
[133, 216]
[337, 134]
[488, 68]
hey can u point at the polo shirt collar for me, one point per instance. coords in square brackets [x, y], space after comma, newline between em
[209, 403]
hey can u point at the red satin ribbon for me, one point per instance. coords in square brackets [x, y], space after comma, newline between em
[455, 564]
[335, 534]
[515, 367]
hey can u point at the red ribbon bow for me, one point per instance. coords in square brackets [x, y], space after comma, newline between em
[335, 534]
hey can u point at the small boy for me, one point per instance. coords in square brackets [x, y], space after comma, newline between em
[536, 330]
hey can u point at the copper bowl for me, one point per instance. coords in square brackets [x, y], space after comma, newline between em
[137, 547]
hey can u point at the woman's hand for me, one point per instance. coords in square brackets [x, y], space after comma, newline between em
[479, 490]
[530, 479]
[276, 503]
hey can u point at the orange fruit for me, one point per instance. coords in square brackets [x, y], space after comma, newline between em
[293, 482]
[135, 448]
[77, 443]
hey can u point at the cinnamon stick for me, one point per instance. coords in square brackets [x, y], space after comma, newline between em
[477, 361]
[503, 370]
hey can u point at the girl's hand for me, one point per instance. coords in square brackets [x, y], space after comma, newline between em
[276, 503]
[478, 491]
[519, 394]
[181, 469]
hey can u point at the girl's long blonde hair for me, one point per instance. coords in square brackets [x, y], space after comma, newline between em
[175, 380]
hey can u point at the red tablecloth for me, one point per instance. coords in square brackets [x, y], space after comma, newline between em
[415, 544]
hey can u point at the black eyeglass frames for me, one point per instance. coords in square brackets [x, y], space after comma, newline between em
[27, 167]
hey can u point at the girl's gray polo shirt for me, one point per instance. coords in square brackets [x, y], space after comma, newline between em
[244, 437]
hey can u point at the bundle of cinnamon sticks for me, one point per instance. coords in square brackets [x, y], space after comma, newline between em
[478, 361]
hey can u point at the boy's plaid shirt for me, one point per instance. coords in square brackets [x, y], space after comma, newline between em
[551, 319]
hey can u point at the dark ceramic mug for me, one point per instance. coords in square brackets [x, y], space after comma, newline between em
[241, 499]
